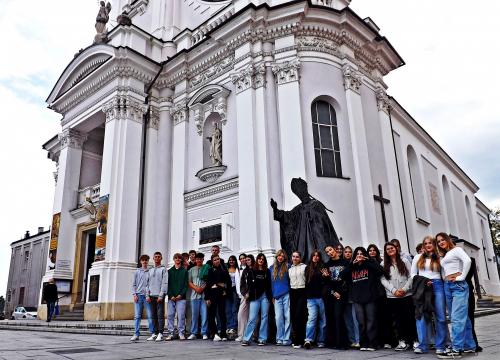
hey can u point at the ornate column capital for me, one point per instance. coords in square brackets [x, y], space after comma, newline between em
[179, 112]
[72, 138]
[124, 107]
[243, 78]
[154, 117]
[352, 78]
[287, 71]
[260, 76]
[383, 102]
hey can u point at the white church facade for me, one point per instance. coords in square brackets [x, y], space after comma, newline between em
[294, 88]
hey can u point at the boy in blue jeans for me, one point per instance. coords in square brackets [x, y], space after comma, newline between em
[141, 296]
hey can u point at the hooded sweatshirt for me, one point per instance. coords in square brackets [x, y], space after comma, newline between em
[365, 281]
[141, 282]
[158, 280]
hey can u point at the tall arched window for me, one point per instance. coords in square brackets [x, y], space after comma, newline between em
[326, 139]
[417, 187]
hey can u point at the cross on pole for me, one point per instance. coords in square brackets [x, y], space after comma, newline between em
[383, 201]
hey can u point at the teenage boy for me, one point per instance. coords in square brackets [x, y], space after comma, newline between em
[217, 289]
[177, 287]
[192, 259]
[198, 305]
[215, 252]
[141, 297]
[157, 290]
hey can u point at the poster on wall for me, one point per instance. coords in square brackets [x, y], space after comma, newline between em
[54, 237]
[102, 224]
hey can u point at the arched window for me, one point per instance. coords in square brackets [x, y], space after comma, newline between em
[326, 139]
[417, 187]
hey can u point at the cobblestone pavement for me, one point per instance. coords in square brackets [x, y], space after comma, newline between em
[44, 345]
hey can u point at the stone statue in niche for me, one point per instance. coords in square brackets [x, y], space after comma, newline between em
[100, 23]
[216, 145]
[307, 227]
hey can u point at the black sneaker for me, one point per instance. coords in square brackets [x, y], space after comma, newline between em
[245, 343]
[261, 343]
[452, 354]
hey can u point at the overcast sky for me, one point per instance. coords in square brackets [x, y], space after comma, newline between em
[449, 85]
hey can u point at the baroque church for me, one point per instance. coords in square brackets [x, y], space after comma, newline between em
[179, 124]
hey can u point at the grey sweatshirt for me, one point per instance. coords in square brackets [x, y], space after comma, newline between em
[398, 281]
[141, 282]
[158, 280]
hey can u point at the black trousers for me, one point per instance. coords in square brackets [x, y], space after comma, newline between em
[298, 315]
[158, 315]
[217, 310]
[367, 319]
[385, 324]
[403, 317]
[336, 332]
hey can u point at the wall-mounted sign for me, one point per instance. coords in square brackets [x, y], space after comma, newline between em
[54, 237]
[102, 224]
[94, 288]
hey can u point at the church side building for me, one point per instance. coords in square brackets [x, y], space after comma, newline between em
[182, 122]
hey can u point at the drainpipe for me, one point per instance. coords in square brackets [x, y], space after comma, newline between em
[145, 122]
[399, 181]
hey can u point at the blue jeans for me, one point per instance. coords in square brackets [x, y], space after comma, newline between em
[261, 304]
[51, 307]
[282, 314]
[232, 307]
[351, 323]
[199, 309]
[138, 307]
[439, 319]
[178, 307]
[457, 301]
[315, 309]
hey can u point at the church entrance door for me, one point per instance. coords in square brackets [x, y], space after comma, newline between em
[84, 257]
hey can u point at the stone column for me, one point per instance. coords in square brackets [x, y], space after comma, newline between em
[120, 178]
[248, 175]
[177, 220]
[290, 126]
[362, 174]
[65, 200]
[164, 173]
[396, 216]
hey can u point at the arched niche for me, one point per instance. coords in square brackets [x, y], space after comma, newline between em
[206, 101]
[208, 126]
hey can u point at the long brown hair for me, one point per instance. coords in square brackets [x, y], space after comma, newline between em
[434, 255]
[448, 240]
[400, 265]
[283, 267]
[312, 267]
[256, 265]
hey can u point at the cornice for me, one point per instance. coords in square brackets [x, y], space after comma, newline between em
[211, 190]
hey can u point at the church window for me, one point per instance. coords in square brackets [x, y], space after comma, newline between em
[326, 139]
[417, 188]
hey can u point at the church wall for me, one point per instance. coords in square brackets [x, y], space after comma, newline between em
[320, 79]
[432, 185]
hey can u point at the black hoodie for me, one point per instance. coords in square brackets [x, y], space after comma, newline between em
[364, 278]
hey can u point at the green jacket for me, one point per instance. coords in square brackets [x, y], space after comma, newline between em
[177, 282]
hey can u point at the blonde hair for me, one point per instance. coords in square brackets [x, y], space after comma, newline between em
[434, 256]
[283, 267]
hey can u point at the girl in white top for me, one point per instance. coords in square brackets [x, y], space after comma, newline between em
[456, 264]
[427, 264]
[297, 275]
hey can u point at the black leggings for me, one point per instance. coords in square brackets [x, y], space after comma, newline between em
[298, 315]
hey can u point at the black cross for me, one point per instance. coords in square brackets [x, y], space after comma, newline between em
[383, 201]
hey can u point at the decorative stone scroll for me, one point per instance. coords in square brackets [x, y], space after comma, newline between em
[383, 102]
[243, 79]
[124, 107]
[154, 117]
[71, 138]
[179, 112]
[352, 78]
[287, 71]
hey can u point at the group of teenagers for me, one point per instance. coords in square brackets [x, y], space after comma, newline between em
[359, 299]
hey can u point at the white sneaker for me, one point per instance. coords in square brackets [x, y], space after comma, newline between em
[418, 351]
[182, 337]
[134, 338]
[402, 346]
[159, 337]
[217, 338]
[238, 339]
[387, 346]
[168, 337]
[370, 349]
[205, 337]
[192, 337]
[151, 338]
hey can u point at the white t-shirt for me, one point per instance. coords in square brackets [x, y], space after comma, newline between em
[426, 271]
[456, 260]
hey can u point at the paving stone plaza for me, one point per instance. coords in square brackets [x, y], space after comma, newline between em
[52, 345]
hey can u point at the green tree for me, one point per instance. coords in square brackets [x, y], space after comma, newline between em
[495, 228]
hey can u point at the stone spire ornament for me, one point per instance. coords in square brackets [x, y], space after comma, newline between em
[100, 23]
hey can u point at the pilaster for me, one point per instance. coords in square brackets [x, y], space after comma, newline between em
[361, 166]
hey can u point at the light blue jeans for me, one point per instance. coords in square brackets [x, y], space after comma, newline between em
[457, 301]
[261, 304]
[178, 307]
[351, 323]
[316, 311]
[282, 314]
[439, 319]
[138, 306]
[199, 309]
